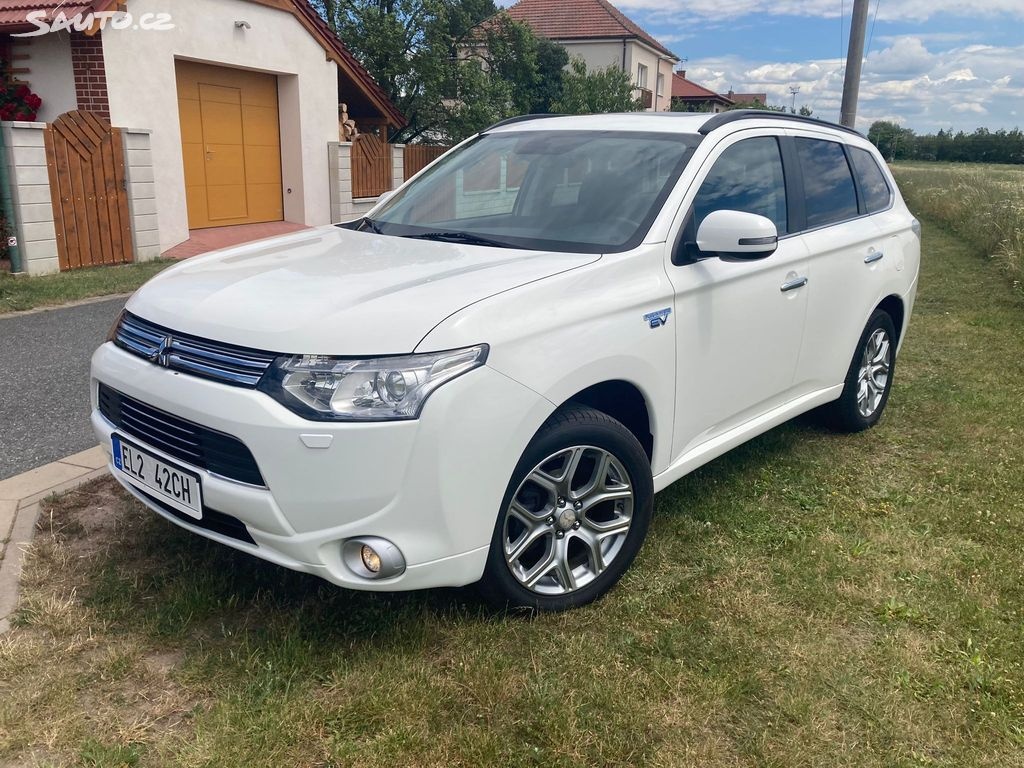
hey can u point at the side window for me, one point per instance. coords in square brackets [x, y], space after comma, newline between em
[871, 180]
[828, 184]
[747, 177]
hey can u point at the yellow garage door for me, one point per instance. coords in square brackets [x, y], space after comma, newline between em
[231, 145]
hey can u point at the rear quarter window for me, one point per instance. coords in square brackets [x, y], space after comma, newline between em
[873, 186]
[828, 183]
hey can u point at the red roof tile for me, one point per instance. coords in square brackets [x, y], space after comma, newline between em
[14, 13]
[748, 98]
[687, 89]
[579, 20]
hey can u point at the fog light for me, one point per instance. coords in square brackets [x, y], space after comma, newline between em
[371, 557]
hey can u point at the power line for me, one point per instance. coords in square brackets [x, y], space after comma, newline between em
[871, 34]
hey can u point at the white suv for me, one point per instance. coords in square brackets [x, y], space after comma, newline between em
[490, 376]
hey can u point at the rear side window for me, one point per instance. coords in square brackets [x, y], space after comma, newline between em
[871, 180]
[828, 184]
[747, 177]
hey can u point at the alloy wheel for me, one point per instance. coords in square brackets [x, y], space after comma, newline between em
[568, 520]
[875, 366]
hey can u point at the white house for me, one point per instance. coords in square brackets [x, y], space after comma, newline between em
[604, 37]
[236, 101]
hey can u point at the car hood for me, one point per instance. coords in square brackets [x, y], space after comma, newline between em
[334, 291]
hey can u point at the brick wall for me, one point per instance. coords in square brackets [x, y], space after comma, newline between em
[90, 75]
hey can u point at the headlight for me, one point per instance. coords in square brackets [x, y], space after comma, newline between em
[343, 389]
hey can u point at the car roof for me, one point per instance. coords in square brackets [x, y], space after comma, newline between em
[665, 122]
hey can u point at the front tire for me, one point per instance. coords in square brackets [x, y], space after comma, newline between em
[574, 516]
[869, 378]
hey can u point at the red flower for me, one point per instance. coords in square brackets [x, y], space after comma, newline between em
[33, 101]
[22, 92]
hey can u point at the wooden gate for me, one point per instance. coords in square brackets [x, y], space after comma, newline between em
[85, 159]
[419, 156]
[371, 166]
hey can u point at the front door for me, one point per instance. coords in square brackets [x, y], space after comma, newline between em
[230, 145]
[738, 323]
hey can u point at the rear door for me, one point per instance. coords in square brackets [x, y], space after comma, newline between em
[846, 250]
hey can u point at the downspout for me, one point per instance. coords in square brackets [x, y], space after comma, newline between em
[624, 41]
[7, 200]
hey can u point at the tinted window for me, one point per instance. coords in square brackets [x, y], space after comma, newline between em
[871, 180]
[828, 184]
[747, 177]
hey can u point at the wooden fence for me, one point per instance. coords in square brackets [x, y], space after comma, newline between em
[419, 156]
[371, 166]
[85, 161]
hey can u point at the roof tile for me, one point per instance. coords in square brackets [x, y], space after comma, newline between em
[581, 19]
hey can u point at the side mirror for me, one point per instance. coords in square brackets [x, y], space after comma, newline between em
[737, 235]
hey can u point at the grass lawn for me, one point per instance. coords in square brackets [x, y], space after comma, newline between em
[18, 293]
[809, 599]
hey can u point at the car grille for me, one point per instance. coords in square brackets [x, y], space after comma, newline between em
[199, 446]
[225, 363]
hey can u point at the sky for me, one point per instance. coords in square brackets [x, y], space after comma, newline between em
[929, 64]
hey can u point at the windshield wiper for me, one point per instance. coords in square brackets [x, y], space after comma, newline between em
[459, 237]
[368, 223]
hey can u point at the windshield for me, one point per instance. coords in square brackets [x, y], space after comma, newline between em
[579, 191]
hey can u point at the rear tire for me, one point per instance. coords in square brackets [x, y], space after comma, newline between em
[869, 378]
[574, 515]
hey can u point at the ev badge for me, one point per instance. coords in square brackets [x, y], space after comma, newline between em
[659, 318]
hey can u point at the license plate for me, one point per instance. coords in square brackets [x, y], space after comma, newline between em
[167, 482]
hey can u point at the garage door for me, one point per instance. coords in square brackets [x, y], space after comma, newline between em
[231, 145]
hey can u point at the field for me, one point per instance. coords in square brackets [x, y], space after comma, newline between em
[984, 204]
[809, 599]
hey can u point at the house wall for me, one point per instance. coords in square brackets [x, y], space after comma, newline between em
[143, 94]
[51, 76]
[599, 54]
[636, 54]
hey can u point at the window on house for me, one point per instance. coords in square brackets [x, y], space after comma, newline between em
[661, 85]
[641, 76]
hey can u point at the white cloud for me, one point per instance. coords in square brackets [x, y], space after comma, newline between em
[891, 10]
[963, 87]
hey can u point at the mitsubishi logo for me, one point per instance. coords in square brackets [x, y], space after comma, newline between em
[162, 354]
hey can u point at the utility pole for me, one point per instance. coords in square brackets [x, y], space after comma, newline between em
[794, 90]
[854, 57]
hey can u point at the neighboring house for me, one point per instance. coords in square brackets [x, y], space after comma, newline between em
[604, 37]
[240, 100]
[688, 96]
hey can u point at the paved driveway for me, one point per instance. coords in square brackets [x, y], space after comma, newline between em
[44, 382]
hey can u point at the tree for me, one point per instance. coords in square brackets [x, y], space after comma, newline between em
[602, 91]
[449, 74]
[893, 141]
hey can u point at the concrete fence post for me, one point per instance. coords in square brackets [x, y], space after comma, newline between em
[138, 167]
[33, 225]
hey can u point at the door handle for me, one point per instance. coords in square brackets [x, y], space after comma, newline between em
[874, 256]
[796, 282]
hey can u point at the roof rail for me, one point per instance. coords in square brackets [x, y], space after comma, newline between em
[519, 119]
[724, 118]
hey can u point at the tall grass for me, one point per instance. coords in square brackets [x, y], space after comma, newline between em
[984, 204]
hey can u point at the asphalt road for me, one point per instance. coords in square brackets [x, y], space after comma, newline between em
[44, 382]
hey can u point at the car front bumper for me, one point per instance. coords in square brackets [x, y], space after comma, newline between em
[432, 487]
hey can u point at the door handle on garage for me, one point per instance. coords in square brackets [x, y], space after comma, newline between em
[796, 282]
[874, 256]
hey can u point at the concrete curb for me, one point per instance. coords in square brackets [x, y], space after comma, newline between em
[19, 509]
